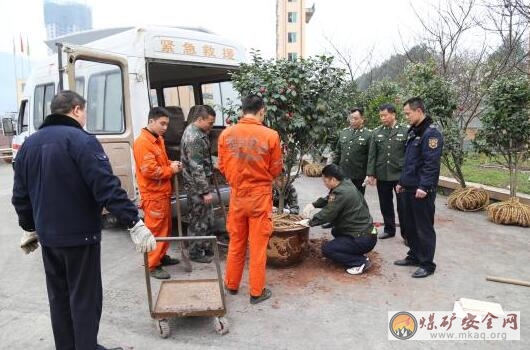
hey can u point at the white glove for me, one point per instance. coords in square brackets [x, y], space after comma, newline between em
[306, 212]
[286, 211]
[304, 222]
[29, 242]
[142, 238]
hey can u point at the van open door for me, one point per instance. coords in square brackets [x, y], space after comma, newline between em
[103, 79]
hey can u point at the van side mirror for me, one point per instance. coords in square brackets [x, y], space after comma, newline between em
[8, 127]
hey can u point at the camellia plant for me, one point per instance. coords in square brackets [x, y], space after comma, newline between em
[303, 99]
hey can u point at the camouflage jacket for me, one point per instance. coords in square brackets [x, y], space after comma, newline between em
[290, 201]
[196, 160]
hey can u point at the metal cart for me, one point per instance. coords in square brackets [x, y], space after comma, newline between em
[183, 298]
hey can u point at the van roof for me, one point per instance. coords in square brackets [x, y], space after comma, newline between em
[87, 36]
[186, 44]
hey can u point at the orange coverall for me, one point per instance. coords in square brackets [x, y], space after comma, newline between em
[153, 173]
[250, 158]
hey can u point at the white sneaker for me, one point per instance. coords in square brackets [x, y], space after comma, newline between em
[357, 270]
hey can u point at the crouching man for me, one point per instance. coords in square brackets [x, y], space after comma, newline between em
[353, 230]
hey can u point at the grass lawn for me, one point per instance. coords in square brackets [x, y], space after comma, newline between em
[475, 171]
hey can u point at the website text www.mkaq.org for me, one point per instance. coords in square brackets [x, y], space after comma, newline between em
[469, 335]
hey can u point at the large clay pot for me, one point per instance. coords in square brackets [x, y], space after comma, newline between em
[288, 246]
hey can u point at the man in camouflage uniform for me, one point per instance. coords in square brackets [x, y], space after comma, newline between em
[197, 170]
[385, 161]
[290, 201]
[352, 149]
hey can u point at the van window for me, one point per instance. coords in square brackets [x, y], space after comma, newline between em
[181, 96]
[80, 86]
[23, 115]
[104, 102]
[43, 100]
[217, 95]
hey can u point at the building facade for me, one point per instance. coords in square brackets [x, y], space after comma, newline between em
[291, 19]
[65, 17]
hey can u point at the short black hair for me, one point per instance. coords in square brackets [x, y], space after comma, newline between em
[158, 112]
[252, 104]
[387, 106]
[333, 170]
[415, 103]
[357, 109]
[65, 101]
[203, 111]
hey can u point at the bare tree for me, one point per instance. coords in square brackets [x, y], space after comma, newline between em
[473, 71]
[346, 58]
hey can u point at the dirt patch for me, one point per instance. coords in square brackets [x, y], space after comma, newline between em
[317, 271]
[441, 220]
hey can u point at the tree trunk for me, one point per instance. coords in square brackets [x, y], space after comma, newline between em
[513, 179]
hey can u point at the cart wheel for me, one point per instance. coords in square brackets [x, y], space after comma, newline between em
[221, 325]
[163, 328]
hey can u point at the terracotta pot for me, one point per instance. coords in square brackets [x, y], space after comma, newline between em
[288, 247]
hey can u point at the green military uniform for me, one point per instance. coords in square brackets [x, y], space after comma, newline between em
[346, 209]
[385, 161]
[354, 235]
[387, 152]
[352, 154]
[196, 170]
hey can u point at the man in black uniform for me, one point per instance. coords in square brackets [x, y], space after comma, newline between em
[63, 180]
[353, 229]
[417, 184]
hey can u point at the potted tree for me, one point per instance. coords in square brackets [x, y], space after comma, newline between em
[304, 99]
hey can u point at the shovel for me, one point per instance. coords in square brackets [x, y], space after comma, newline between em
[216, 184]
[184, 253]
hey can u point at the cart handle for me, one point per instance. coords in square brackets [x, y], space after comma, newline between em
[187, 238]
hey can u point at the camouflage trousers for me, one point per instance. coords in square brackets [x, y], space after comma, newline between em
[201, 221]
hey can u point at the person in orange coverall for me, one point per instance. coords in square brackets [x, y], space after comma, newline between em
[250, 158]
[153, 173]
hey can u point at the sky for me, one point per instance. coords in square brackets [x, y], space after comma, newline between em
[378, 26]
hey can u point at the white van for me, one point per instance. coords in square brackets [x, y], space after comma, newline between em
[122, 73]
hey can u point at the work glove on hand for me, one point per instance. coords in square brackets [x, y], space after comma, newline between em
[286, 211]
[142, 238]
[29, 242]
[306, 212]
[304, 222]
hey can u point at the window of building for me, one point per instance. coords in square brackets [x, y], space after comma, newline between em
[292, 56]
[292, 0]
[291, 37]
[42, 104]
[292, 17]
[105, 103]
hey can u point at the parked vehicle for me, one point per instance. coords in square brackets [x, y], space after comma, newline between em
[123, 72]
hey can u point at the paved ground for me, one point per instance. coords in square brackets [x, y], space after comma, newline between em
[315, 305]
